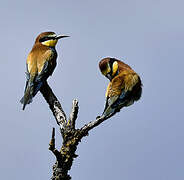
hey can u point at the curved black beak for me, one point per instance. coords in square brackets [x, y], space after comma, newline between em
[109, 76]
[61, 36]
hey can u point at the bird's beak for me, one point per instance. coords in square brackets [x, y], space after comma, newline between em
[109, 76]
[61, 36]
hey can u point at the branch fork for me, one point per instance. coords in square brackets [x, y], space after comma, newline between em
[71, 136]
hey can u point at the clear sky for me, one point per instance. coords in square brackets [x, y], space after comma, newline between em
[142, 142]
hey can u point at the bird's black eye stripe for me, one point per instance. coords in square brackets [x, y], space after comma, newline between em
[111, 63]
[45, 39]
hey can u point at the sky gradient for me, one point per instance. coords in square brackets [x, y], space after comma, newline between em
[143, 141]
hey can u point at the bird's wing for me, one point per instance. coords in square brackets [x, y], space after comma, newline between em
[131, 79]
[109, 98]
[43, 72]
[112, 95]
[124, 99]
[38, 69]
[118, 92]
[45, 65]
[44, 69]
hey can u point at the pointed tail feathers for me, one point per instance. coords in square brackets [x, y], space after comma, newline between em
[108, 112]
[30, 91]
[28, 96]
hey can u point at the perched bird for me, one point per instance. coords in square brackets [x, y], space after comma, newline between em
[40, 64]
[124, 88]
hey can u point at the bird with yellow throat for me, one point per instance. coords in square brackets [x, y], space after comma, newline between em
[40, 64]
[124, 88]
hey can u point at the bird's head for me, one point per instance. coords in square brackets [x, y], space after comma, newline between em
[49, 38]
[109, 67]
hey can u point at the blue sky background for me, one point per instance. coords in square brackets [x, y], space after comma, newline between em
[142, 142]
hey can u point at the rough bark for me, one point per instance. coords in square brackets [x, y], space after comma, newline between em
[71, 136]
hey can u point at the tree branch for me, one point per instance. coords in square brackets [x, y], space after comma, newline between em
[71, 136]
[52, 145]
[92, 124]
[54, 105]
[73, 114]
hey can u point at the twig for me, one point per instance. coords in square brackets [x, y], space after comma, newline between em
[92, 124]
[52, 145]
[73, 114]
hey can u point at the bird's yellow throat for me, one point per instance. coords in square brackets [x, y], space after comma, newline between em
[50, 43]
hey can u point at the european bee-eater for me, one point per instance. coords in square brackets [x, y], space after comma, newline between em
[124, 88]
[40, 64]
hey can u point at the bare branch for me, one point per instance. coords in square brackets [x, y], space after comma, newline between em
[73, 114]
[71, 136]
[52, 145]
[87, 127]
[52, 141]
[54, 105]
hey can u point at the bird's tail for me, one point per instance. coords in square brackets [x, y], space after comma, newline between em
[108, 112]
[28, 93]
[28, 96]
[32, 87]
[111, 110]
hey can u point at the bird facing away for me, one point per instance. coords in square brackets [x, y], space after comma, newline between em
[40, 64]
[124, 88]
